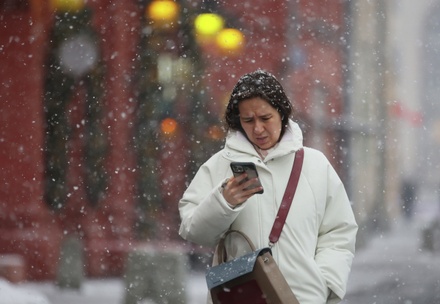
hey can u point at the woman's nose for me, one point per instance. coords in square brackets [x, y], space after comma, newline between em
[258, 127]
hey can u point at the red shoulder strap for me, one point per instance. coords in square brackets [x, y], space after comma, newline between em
[287, 198]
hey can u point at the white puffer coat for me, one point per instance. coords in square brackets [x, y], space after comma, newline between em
[317, 244]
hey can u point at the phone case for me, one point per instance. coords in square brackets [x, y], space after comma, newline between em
[249, 168]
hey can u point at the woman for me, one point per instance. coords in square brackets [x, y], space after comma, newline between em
[316, 246]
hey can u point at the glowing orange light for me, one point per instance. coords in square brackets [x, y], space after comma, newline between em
[215, 132]
[168, 126]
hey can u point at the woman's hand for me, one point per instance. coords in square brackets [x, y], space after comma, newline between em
[234, 190]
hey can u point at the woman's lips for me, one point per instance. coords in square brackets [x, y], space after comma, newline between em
[261, 140]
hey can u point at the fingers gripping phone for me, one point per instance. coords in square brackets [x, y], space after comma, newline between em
[250, 169]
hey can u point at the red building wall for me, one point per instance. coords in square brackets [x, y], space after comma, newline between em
[27, 227]
[320, 37]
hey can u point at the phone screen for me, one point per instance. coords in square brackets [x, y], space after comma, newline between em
[249, 168]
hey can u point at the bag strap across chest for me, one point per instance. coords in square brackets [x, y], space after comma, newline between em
[287, 198]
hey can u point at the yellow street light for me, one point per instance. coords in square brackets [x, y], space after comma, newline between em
[230, 40]
[207, 26]
[67, 5]
[163, 12]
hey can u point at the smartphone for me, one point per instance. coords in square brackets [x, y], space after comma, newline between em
[239, 168]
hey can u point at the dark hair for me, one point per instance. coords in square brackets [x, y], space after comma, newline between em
[258, 84]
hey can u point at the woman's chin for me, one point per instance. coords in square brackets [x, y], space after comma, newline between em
[264, 145]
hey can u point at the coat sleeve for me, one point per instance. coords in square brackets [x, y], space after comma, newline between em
[336, 238]
[205, 214]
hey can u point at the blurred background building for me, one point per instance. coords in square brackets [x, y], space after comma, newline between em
[415, 48]
[108, 108]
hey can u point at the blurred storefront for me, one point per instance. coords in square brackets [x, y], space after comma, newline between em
[109, 107]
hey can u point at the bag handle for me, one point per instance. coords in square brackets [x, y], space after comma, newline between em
[287, 198]
[221, 249]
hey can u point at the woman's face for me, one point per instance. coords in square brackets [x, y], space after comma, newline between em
[260, 121]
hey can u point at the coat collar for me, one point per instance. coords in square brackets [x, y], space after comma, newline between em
[291, 141]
